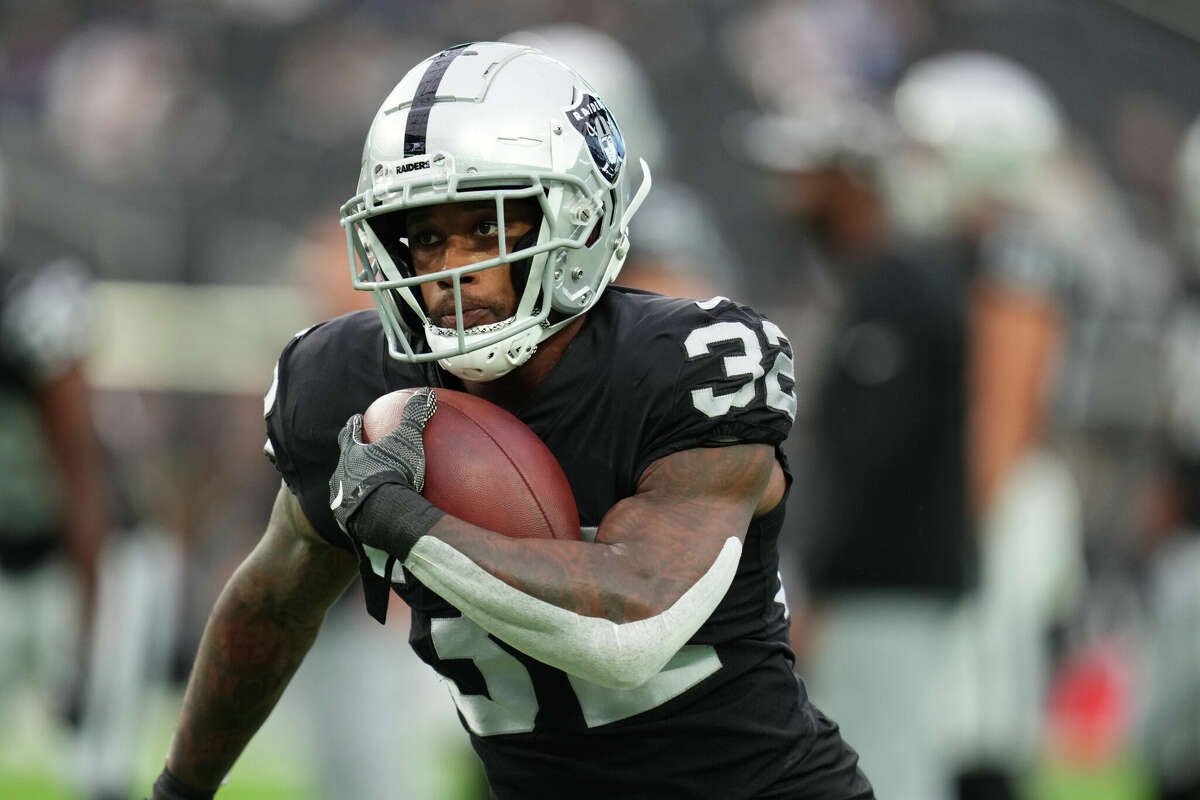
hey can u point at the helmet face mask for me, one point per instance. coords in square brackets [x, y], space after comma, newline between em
[494, 123]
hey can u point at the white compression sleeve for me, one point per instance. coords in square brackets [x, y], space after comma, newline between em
[620, 656]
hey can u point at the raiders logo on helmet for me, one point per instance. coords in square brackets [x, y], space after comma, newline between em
[596, 124]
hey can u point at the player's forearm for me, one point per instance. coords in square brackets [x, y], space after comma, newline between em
[597, 580]
[650, 548]
[250, 650]
[611, 581]
[1013, 336]
[614, 611]
[607, 613]
[620, 577]
[594, 647]
[66, 415]
[602, 612]
[86, 529]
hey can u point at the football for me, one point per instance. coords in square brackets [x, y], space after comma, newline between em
[485, 466]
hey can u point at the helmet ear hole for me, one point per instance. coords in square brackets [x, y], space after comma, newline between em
[594, 236]
[607, 212]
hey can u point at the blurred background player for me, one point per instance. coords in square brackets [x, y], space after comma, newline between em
[885, 549]
[84, 616]
[983, 137]
[1170, 719]
[931, 270]
[86, 588]
[54, 509]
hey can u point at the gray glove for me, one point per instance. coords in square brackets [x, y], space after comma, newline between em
[397, 458]
[390, 473]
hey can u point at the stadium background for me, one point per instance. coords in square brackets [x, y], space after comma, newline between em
[193, 155]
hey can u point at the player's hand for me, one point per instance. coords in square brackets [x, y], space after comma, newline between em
[398, 457]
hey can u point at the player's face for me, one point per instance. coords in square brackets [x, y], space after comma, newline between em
[456, 234]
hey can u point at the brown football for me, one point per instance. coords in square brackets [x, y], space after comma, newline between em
[485, 466]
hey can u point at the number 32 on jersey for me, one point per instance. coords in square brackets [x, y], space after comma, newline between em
[748, 365]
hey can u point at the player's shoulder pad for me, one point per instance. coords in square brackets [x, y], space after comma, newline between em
[718, 371]
[715, 340]
[323, 357]
[668, 316]
[1024, 255]
[308, 391]
[45, 318]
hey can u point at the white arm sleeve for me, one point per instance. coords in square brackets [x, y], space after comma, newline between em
[620, 656]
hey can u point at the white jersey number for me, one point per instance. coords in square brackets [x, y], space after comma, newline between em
[511, 705]
[747, 364]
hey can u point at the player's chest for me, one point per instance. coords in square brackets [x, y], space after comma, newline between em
[597, 442]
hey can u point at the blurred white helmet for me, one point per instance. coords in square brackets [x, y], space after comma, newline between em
[492, 122]
[814, 68]
[982, 126]
[846, 129]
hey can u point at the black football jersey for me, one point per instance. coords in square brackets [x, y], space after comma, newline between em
[646, 376]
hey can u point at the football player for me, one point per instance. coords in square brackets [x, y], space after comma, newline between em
[1169, 727]
[649, 659]
[54, 501]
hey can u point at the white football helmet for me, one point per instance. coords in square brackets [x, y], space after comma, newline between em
[492, 121]
[982, 127]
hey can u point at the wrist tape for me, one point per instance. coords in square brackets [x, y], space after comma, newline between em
[169, 787]
[392, 518]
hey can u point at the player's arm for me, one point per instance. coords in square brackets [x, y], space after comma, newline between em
[65, 407]
[261, 627]
[650, 549]
[613, 611]
[1013, 336]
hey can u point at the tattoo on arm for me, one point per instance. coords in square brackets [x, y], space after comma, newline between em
[650, 548]
[263, 624]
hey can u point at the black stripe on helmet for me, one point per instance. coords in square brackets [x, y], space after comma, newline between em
[418, 112]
